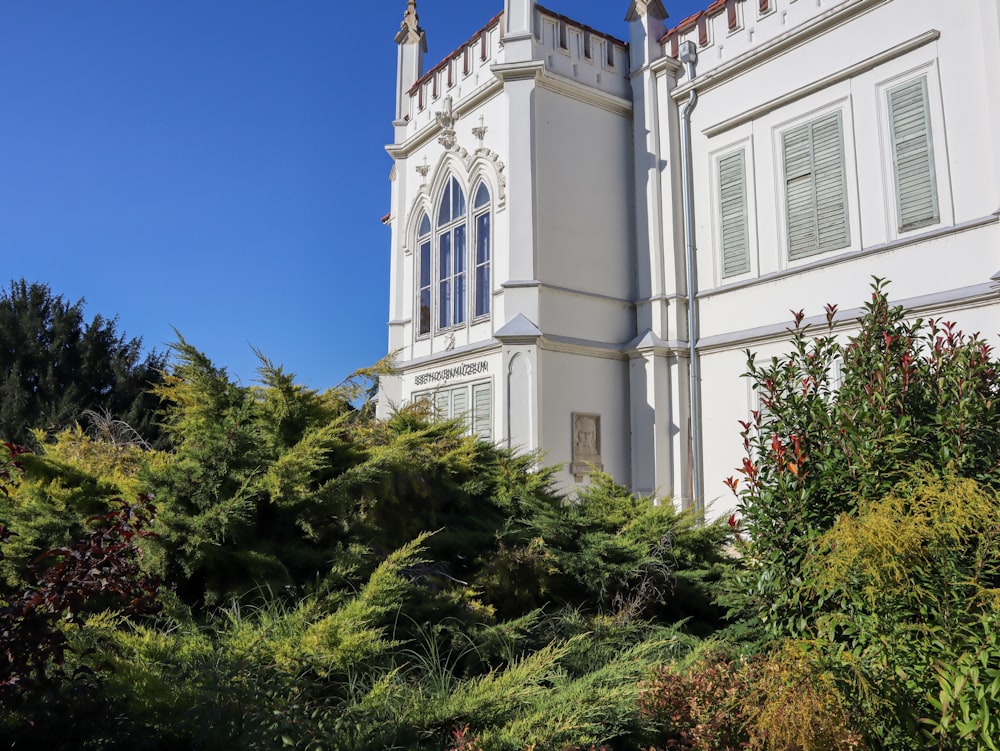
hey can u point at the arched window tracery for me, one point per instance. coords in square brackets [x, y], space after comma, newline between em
[454, 258]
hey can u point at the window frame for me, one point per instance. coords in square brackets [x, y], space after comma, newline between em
[742, 150]
[455, 226]
[476, 212]
[469, 416]
[938, 178]
[424, 239]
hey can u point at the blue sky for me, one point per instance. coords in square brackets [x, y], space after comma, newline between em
[218, 166]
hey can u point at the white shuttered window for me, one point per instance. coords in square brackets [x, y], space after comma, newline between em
[734, 231]
[471, 404]
[816, 187]
[913, 156]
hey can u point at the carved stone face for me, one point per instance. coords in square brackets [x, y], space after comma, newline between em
[586, 435]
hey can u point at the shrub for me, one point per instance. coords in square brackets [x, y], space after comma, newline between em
[914, 394]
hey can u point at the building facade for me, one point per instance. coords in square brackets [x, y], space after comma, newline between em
[578, 219]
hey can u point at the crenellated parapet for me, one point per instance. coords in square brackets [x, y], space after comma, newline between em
[728, 29]
[570, 51]
[464, 71]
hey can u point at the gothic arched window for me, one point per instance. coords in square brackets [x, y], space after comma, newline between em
[424, 275]
[483, 247]
[451, 232]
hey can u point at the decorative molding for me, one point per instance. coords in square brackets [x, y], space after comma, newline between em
[480, 131]
[823, 83]
[763, 52]
[422, 170]
[939, 302]
[455, 355]
[534, 283]
[445, 120]
[853, 254]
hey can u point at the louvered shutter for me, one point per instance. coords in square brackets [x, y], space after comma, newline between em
[442, 405]
[482, 411]
[913, 156]
[460, 403]
[815, 187]
[733, 214]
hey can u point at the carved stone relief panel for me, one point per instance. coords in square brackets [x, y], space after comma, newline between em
[586, 439]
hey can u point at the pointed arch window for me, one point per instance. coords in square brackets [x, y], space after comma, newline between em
[424, 275]
[482, 221]
[451, 258]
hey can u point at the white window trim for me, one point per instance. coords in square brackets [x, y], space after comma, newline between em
[469, 417]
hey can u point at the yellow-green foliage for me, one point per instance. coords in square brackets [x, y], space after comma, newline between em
[912, 583]
[354, 632]
[793, 705]
[902, 544]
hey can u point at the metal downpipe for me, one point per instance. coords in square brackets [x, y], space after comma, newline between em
[689, 56]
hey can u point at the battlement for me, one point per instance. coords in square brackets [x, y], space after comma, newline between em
[459, 74]
[569, 49]
[729, 28]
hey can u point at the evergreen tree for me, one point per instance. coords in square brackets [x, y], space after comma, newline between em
[54, 367]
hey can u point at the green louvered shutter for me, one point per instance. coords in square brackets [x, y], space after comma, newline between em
[482, 411]
[913, 156]
[442, 405]
[460, 403]
[733, 214]
[815, 187]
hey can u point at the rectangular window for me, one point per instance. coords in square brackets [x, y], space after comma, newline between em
[913, 156]
[473, 404]
[815, 187]
[734, 230]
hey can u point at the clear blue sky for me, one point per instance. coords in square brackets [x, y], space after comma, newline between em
[218, 166]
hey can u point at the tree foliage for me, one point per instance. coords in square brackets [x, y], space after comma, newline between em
[55, 366]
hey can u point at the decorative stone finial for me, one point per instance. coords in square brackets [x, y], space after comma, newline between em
[640, 8]
[480, 131]
[422, 170]
[409, 30]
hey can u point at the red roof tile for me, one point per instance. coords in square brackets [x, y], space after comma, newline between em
[455, 53]
[717, 7]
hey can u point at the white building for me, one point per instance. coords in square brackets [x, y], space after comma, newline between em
[540, 264]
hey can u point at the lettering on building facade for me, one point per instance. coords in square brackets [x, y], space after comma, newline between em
[446, 374]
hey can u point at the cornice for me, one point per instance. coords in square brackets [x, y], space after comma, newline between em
[852, 255]
[433, 128]
[451, 356]
[518, 71]
[834, 78]
[976, 295]
[773, 48]
[588, 95]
